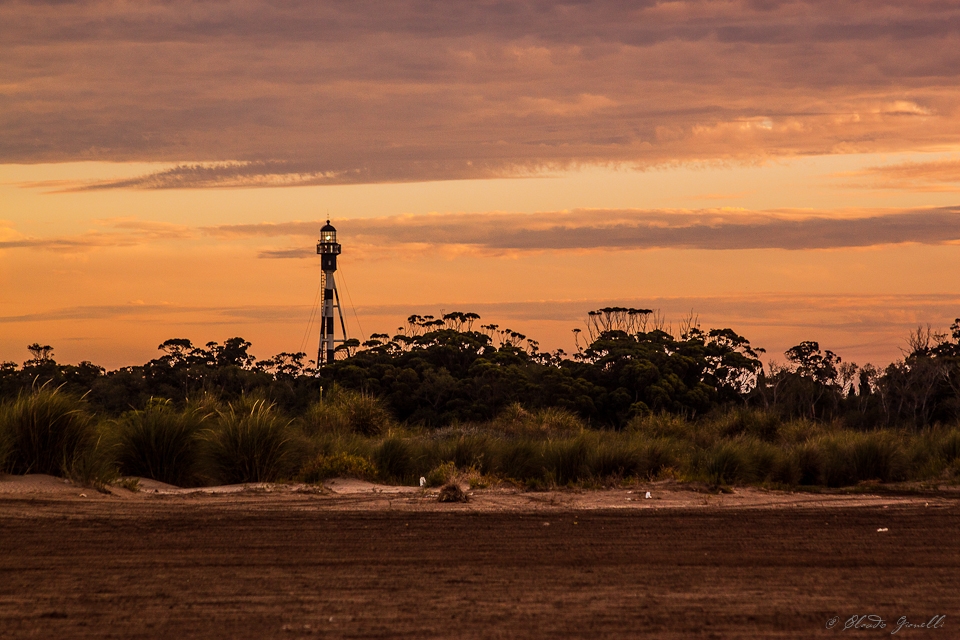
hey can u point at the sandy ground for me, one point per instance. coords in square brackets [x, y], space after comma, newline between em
[356, 560]
[352, 494]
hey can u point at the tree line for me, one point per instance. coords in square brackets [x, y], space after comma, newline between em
[439, 371]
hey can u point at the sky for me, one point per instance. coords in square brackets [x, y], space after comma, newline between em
[787, 169]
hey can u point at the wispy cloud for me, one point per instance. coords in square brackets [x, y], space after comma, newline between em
[220, 175]
[931, 176]
[585, 229]
[185, 314]
[257, 93]
[631, 229]
[114, 232]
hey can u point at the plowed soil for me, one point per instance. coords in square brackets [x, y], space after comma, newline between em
[263, 566]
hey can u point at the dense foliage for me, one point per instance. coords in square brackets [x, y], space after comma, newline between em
[443, 400]
[440, 371]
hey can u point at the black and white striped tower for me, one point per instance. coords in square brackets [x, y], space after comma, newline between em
[329, 249]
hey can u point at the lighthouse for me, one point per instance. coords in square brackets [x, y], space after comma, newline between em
[328, 248]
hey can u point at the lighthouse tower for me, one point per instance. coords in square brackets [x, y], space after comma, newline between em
[329, 249]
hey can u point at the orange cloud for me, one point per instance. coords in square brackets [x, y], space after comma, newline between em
[252, 93]
[932, 176]
[123, 232]
[581, 229]
[716, 229]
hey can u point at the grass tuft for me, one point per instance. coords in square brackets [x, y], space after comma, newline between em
[727, 463]
[46, 431]
[950, 446]
[552, 421]
[394, 460]
[519, 460]
[250, 442]
[161, 443]
[616, 458]
[853, 457]
[567, 461]
[348, 411]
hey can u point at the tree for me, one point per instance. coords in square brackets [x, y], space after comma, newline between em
[42, 355]
[810, 362]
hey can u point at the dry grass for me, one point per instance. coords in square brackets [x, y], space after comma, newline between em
[452, 492]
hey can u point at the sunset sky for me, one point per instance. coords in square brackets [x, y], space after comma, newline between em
[788, 169]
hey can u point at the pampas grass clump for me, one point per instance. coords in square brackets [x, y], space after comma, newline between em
[250, 442]
[161, 443]
[45, 431]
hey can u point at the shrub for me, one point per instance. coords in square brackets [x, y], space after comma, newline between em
[250, 443]
[161, 443]
[47, 431]
[338, 465]
[441, 474]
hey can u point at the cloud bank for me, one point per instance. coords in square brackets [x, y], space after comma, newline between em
[629, 229]
[257, 93]
[587, 229]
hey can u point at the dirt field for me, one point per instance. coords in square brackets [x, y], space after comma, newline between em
[368, 564]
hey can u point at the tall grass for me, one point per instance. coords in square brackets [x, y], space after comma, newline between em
[396, 461]
[350, 434]
[551, 421]
[250, 442]
[6, 439]
[852, 457]
[347, 411]
[46, 431]
[567, 461]
[789, 454]
[161, 443]
[95, 465]
[520, 461]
